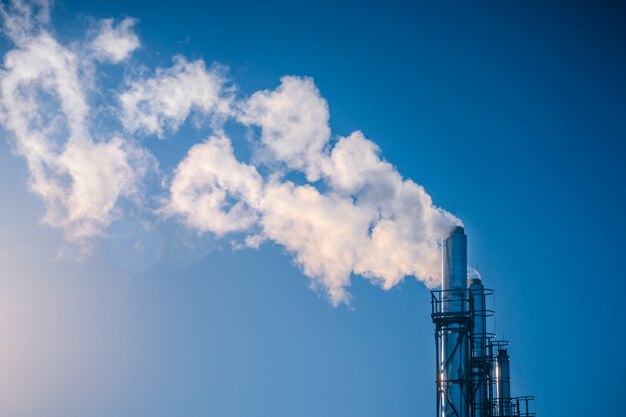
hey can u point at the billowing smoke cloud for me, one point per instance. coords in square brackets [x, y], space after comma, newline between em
[369, 221]
[352, 214]
[163, 102]
[44, 105]
[294, 123]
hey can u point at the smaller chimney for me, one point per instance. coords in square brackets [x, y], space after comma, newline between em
[503, 386]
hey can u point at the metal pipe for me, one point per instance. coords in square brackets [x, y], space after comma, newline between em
[480, 366]
[503, 386]
[470, 365]
[455, 334]
[454, 273]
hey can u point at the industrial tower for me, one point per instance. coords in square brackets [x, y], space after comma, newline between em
[473, 377]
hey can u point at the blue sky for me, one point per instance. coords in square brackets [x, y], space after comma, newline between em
[509, 115]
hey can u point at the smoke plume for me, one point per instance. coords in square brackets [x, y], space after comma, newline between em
[351, 214]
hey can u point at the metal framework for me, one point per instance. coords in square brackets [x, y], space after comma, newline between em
[452, 341]
[479, 387]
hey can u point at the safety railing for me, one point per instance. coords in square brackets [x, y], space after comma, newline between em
[458, 301]
[513, 407]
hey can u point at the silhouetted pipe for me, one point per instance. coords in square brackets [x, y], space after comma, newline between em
[503, 385]
[479, 353]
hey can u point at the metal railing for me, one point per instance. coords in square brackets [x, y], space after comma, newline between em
[443, 301]
[460, 311]
[513, 407]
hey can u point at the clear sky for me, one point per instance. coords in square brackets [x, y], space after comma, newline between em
[123, 292]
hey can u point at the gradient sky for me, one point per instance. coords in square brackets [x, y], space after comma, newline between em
[509, 114]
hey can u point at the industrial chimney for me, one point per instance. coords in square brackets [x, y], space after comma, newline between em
[453, 333]
[471, 365]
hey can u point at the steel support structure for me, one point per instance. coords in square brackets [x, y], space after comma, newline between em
[473, 369]
[454, 381]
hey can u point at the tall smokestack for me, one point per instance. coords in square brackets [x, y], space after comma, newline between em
[454, 391]
[454, 274]
[454, 270]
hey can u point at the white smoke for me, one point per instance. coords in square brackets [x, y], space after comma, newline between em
[161, 104]
[473, 273]
[115, 42]
[214, 192]
[353, 215]
[294, 123]
[44, 105]
[369, 221]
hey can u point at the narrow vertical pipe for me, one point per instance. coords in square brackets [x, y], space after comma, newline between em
[503, 386]
[480, 369]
